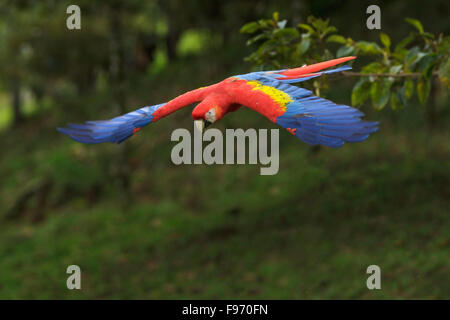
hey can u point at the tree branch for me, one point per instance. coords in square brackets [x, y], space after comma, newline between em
[397, 75]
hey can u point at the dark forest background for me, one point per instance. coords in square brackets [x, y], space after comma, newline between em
[140, 227]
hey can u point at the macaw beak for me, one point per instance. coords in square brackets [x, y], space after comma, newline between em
[201, 124]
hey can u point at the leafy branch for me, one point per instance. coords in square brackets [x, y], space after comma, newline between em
[392, 76]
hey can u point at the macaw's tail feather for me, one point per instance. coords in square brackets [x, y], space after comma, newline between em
[308, 72]
[319, 121]
[114, 130]
[304, 77]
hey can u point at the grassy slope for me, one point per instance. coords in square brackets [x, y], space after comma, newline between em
[226, 232]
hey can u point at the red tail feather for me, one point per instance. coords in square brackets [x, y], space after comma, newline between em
[314, 67]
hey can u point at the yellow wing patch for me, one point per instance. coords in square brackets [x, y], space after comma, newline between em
[280, 97]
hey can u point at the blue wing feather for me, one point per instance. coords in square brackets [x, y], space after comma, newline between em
[320, 121]
[316, 120]
[114, 130]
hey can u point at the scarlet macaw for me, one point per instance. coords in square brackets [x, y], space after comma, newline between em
[312, 119]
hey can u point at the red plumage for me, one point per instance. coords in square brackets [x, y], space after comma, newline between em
[312, 119]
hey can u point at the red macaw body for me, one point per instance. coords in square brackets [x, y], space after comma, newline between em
[312, 119]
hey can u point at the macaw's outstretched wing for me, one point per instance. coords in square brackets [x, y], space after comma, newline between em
[312, 119]
[114, 130]
[121, 128]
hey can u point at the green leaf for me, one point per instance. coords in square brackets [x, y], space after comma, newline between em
[409, 88]
[250, 27]
[414, 55]
[404, 42]
[444, 73]
[303, 46]
[395, 102]
[416, 23]
[373, 67]
[275, 16]
[344, 51]
[265, 23]
[368, 47]
[327, 55]
[287, 35]
[318, 23]
[402, 96]
[426, 64]
[336, 38]
[380, 92]
[400, 55]
[428, 35]
[269, 47]
[395, 69]
[306, 27]
[256, 38]
[385, 40]
[423, 90]
[444, 46]
[360, 92]
[328, 30]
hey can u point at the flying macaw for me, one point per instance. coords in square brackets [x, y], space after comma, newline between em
[312, 119]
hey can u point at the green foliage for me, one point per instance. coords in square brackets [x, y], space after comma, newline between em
[391, 75]
[390, 207]
[423, 90]
[361, 91]
[444, 72]
[281, 46]
[380, 93]
[201, 231]
[416, 23]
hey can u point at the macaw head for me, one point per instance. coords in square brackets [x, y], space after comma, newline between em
[204, 114]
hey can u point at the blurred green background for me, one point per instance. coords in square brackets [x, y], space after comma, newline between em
[140, 227]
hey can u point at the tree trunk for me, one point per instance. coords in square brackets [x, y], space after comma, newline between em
[431, 104]
[16, 102]
[172, 37]
[117, 74]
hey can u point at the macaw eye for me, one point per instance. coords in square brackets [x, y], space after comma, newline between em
[210, 115]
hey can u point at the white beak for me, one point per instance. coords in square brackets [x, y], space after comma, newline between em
[200, 125]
